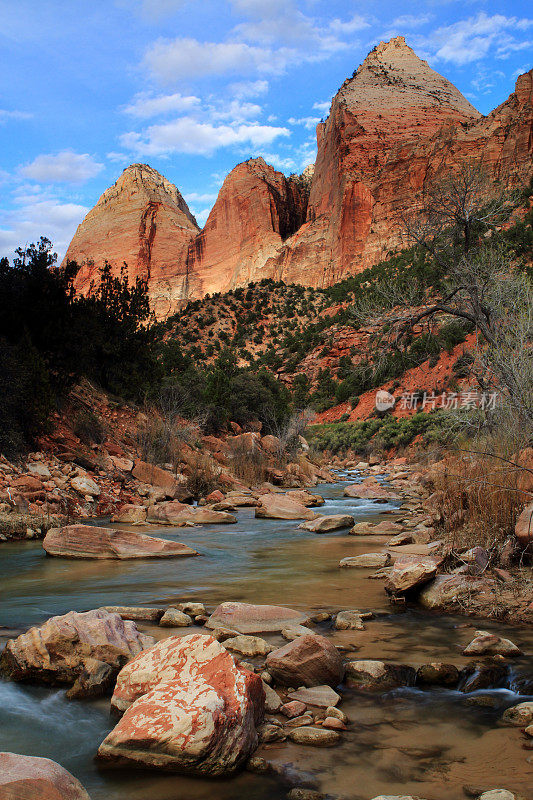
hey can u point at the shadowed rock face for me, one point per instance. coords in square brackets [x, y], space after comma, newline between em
[144, 221]
[256, 210]
[394, 127]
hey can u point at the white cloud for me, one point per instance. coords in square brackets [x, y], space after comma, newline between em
[144, 105]
[188, 135]
[472, 39]
[247, 89]
[64, 167]
[308, 122]
[236, 111]
[356, 23]
[323, 107]
[173, 60]
[37, 217]
[283, 163]
[197, 197]
[6, 115]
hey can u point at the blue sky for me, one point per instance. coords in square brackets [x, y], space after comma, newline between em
[193, 87]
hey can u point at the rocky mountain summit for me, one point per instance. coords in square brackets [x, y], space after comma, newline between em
[143, 221]
[394, 127]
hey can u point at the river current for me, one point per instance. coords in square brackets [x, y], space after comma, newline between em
[427, 743]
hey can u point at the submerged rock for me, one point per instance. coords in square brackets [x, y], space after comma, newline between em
[378, 676]
[64, 648]
[315, 737]
[307, 661]
[437, 674]
[320, 696]
[188, 708]
[88, 541]
[250, 618]
[31, 778]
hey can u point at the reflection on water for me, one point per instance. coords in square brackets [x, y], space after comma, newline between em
[408, 742]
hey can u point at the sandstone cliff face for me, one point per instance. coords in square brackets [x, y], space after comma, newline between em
[256, 210]
[144, 221]
[394, 126]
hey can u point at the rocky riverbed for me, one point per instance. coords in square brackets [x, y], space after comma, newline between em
[413, 712]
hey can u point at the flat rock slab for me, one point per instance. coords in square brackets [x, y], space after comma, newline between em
[88, 541]
[366, 560]
[250, 618]
[320, 696]
[136, 612]
[334, 522]
[30, 778]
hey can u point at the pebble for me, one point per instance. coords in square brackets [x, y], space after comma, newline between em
[314, 737]
[174, 618]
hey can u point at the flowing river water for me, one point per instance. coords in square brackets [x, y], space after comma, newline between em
[428, 743]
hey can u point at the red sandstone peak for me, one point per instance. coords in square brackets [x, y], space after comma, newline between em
[256, 210]
[392, 77]
[143, 221]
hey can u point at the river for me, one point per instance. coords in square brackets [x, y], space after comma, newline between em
[427, 743]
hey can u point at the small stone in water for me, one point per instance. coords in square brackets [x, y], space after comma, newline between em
[293, 709]
[334, 724]
[322, 616]
[295, 631]
[258, 765]
[331, 711]
[349, 620]
[174, 618]
[297, 722]
[305, 794]
[194, 609]
[248, 645]
[316, 737]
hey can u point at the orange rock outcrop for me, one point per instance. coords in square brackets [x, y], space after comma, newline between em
[143, 221]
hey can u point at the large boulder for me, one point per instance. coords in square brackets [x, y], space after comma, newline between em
[411, 572]
[85, 485]
[334, 522]
[306, 661]
[279, 506]
[447, 591]
[31, 778]
[378, 676]
[74, 645]
[250, 618]
[155, 476]
[188, 708]
[88, 541]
